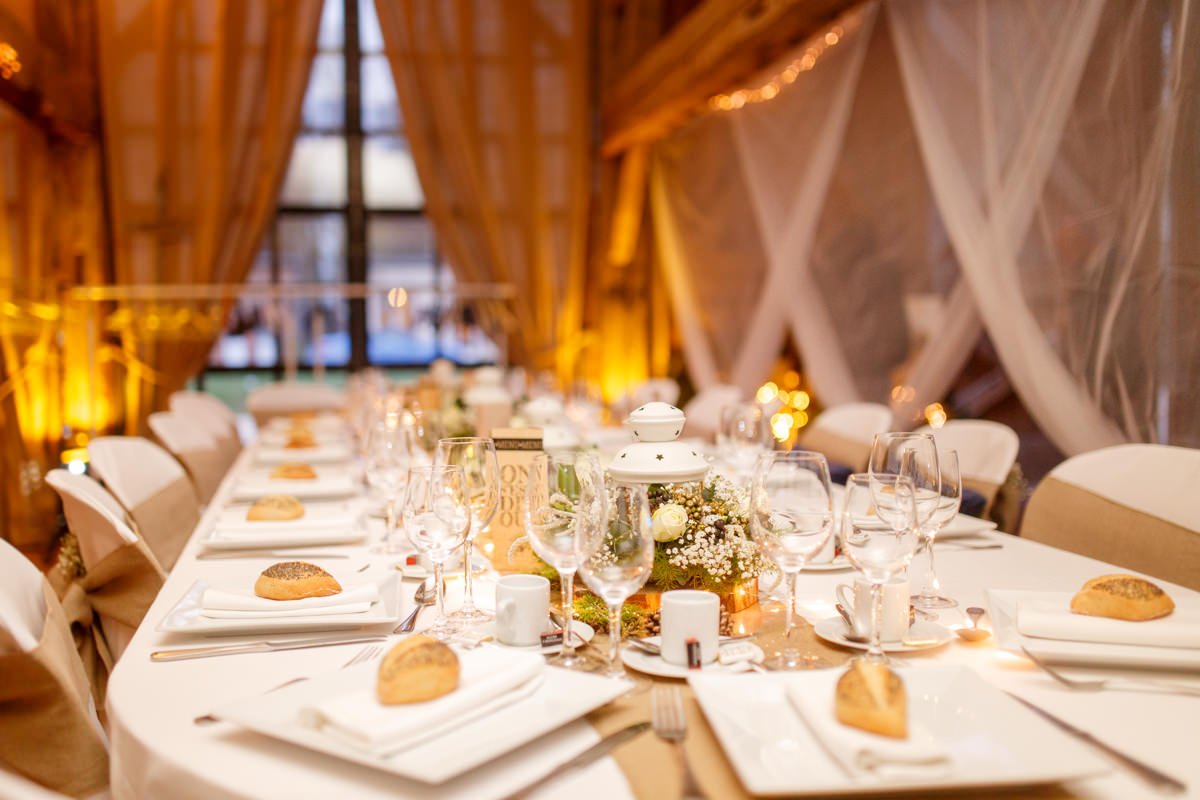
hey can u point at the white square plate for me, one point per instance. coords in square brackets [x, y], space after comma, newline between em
[185, 617]
[991, 739]
[1002, 608]
[322, 523]
[321, 454]
[965, 525]
[329, 483]
[564, 695]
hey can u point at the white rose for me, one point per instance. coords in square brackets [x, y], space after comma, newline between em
[669, 522]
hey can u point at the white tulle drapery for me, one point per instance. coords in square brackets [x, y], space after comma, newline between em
[952, 165]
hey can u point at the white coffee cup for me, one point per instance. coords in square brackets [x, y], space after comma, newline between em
[522, 609]
[894, 618]
[689, 614]
[826, 553]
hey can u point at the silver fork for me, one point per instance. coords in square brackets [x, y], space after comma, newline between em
[365, 654]
[1095, 685]
[670, 725]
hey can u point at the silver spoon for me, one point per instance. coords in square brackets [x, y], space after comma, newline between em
[852, 634]
[974, 633]
[422, 598]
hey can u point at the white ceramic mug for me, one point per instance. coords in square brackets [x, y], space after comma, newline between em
[689, 614]
[522, 609]
[894, 618]
[827, 552]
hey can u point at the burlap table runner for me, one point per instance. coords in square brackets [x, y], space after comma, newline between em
[167, 518]
[838, 448]
[1072, 518]
[122, 587]
[47, 732]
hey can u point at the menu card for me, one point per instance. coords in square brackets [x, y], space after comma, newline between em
[515, 450]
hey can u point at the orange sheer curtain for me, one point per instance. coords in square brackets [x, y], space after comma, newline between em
[200, 101]
[494, 98]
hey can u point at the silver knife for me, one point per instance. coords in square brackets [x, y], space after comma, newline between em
[1155, 777]
[267, 554]
[260, 647]
[593, 753]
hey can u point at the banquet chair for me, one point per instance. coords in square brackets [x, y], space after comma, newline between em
[49, 731]
[153, 487]
[14, 787]
[194, 447]
[704, 410]
[1130, 505]
[134, 576]
[215, 417]
[987, 451]
[293, 397]
[844, 434]
[664, 390]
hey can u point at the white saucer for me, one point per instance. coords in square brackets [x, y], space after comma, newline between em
[839, 563]
[833, 630]
[582, 630]
[654, 665]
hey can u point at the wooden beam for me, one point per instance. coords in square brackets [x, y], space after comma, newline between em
[716, 46]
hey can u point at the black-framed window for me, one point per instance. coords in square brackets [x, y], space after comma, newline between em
[351, 209]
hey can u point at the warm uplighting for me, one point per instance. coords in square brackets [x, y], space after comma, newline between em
[791, 379]
[767, 392]
[10, 62]
[771, 88]
[935, 415]
[397, 298]
[800, 400]
[903, 394]
[781, 425]
[75, 460]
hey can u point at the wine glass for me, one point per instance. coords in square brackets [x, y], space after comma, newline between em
[389, 455]
[879, 537]
[615, 557]
[477, 457]
[563, 492]
[791, 518]
[744, 434]
[915, 456]
[437, 516]
[949, 501]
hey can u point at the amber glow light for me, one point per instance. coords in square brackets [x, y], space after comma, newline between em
[767, 392]
[10, 61]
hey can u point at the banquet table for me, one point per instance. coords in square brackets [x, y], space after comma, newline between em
[158, 751]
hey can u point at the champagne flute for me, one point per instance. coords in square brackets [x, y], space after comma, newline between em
[563, 492]
[949, 501]
[791, 518]
[615, 557]
[389, 456]
[879, 537]
[477, 457]
[437, 516]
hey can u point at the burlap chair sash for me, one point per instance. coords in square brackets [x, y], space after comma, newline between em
[206, 468]
[841, 449]
[1072, 518]
[47, 731]
[121, 587]
[166, 519]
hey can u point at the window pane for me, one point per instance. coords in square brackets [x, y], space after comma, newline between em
[389, 177]
[325, 100]
[312, 249]
[316, 175]
[331, 34]
[249, 337]
[401, 325]
[380, 108]
[370, 38]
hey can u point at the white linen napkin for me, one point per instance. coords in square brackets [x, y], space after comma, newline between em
[321, 454]
[1048, 615]
[220, 604]
[338, 484]
[859, 751]
[490, 678]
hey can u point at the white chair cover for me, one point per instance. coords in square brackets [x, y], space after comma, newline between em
[986, 450]
[704, 410]
[278, 399]
[215, 417]
[844, 433]
[14, 787]
[664, 390]
[195, 448]
[22, 607]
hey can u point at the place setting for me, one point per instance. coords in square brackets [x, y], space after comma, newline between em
[299, 479]
[282, 521]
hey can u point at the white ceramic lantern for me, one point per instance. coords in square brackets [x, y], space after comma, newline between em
[655, 455]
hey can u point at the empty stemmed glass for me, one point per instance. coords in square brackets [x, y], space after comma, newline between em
[615, 557]
[791, 518]
[477, 457]
[743, 436]
[389, 455]
[949, 501]
[879, 537]
[562, 493]
[437, 516]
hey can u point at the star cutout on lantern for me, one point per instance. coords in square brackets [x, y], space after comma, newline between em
[659, 457]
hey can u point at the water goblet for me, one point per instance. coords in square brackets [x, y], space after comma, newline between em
[389, 455]
[477, 457]
[791, 518]
[949, 501]
[437, 516]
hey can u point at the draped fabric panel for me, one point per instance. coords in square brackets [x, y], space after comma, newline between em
[200, 103]
[495, 106]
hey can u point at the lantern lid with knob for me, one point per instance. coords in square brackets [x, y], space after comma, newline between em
[655, 455]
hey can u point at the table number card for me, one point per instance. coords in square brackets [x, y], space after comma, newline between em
[515, 451]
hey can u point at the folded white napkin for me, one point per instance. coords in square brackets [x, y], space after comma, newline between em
[490, 678]
[220, 604]
[859, 751]
[1048, 615]
[321, 454]
[338, 484]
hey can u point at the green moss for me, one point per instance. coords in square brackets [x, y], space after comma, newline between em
[591, 609]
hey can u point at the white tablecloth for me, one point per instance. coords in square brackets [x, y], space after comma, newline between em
[158, 752]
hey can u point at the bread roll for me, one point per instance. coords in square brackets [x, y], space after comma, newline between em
[299, 440]
[275, 508]
[416, 670]
[294, 580]
[1125, 597]
[871, 697]
[294, 470]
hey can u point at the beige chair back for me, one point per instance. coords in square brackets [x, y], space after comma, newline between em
[215, 417]
[844, 433]
[704, 410]
[986, 450]
[281, 399]
[192, 445]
